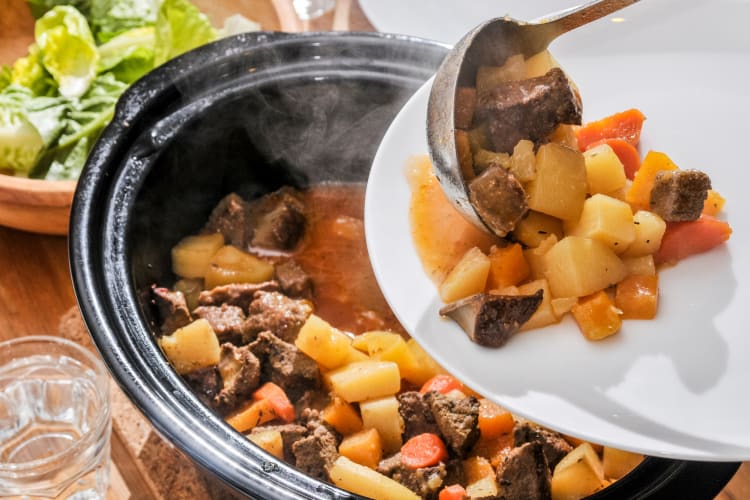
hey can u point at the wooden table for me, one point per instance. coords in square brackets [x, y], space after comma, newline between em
[35, 285]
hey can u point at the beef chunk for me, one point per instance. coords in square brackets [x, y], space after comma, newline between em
[454, 472]
[390, 465]
[279, 220]
[314, 399]
[498, 198]
[228, 322]
[230, 218]
[528, 109]
[416, 413]
[293, 280]
[315, 453]
[553, 444]
[173, 310]
[491, 320]
[240, 374]
[276, 313]
[236, 294]
[524, 474]
[424, 481]
[457, 419]
[290, 434]
[678, 195]
[206, 384]
[312, 419]
[285, 365]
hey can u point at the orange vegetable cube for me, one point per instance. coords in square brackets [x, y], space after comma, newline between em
[494, 421]
[252, 415]
[637, 296]
[597, 316]
[639, 194]
[494, 449]
[343, 417]
[477, 468]
[364, 447]
[714, 203]
[508, 267]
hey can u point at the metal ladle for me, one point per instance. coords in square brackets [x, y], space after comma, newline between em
[490, 43]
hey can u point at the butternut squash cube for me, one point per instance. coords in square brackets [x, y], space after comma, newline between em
[494, 421]
[597, 316]
[581, 266]
[192, 347]
[559, 187]
[365, 380]
[382, 414]
[364, 447]
[342, 416]
[637, 296]
[251, 415]
[468, 276]
[606, 219]
[507, 266]
[579, 474]
[231, 265]
[192, 255]
[604, 170]
[648, 230]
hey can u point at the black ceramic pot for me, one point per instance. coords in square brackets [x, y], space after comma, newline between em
[245, 114]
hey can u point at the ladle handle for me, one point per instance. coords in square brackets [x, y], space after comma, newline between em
[569, 19]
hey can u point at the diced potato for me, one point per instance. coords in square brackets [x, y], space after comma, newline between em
[483, 488]
[562, 305]
[579, 474]
[581, 266]
[536, 227]
[342, 416]
[364, 447]
[270, 441]
[507, 266]
[523, 161]
[365, 380]
[649, 229]
[382, 414]
[251, 415]
[191, 347]
[597, 316]
[565, 135]
[640, 265]
[543, 315]
[604, 170]
[192, 255]
[637, 296]
[191, 289]
[465, 156]
[559, 188]
[484, 158]
[540, 63]
[364, 481]
[323, 343]
[617, 463]
[426, 366]
[489, 77]
[607, 220]
[479, 138]
[480, 477]
[469, 276]
[535, 257]
[231, 265]
[389, 346]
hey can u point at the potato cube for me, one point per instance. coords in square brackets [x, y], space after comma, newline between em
[364, 481]
[192, 255]
[618, 463]
[364, 447]
[482, 488]
[543, 315]
[640, 265]
[191, 347]
[562, 305]
[579, 474]
[479, 138]
[637, 296]
[489, 77]
[536, 227]
[323, 343]
[523, 161]
[535, 257]
[604, 170]
[565, 135]
[382, 414]
[607, 220]
[365, 380]
[581, 266]
[231, 265]
[649, 229]
[484, 158]
[426, 366]
[342, 416]
[468, 276]
[270, 441]
[597, 316]
[540, 63]
[389, 346]
[559, 188]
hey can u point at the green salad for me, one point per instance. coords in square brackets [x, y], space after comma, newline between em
[56, 100]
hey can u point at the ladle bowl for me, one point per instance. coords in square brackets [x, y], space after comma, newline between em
[491, 43]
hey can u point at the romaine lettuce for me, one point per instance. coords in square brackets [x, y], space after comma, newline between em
[110, 18]
[20, 142]
[128, 56]
[180, 27]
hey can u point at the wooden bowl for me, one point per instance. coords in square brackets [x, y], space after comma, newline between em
[41, 206]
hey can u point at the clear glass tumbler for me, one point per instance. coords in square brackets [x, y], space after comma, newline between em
[54, 421]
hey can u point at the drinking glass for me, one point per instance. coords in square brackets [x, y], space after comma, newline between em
[54, 421]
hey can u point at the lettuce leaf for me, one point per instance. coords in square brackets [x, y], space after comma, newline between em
[20, 142]
[128, 56]
[5, 76]
[40, 7]
[180, 27]
[68, 50]
[29, 72]
[110, 18]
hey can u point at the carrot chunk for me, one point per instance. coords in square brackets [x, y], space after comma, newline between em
[423, 450]
[278, 400]
[683, 239]
[626, 153]
[639, 194]
[452, 492]
[625, 125]
[441, 383]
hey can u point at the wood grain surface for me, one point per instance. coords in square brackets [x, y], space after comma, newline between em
[36, 293]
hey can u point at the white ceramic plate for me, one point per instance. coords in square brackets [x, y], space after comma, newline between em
[676, 386]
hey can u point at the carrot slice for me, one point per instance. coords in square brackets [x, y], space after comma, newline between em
[278, 400]
[441, 383]
[626, 152]
[682, 239]
[625, 125]
[423, 450]
[452, 492]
